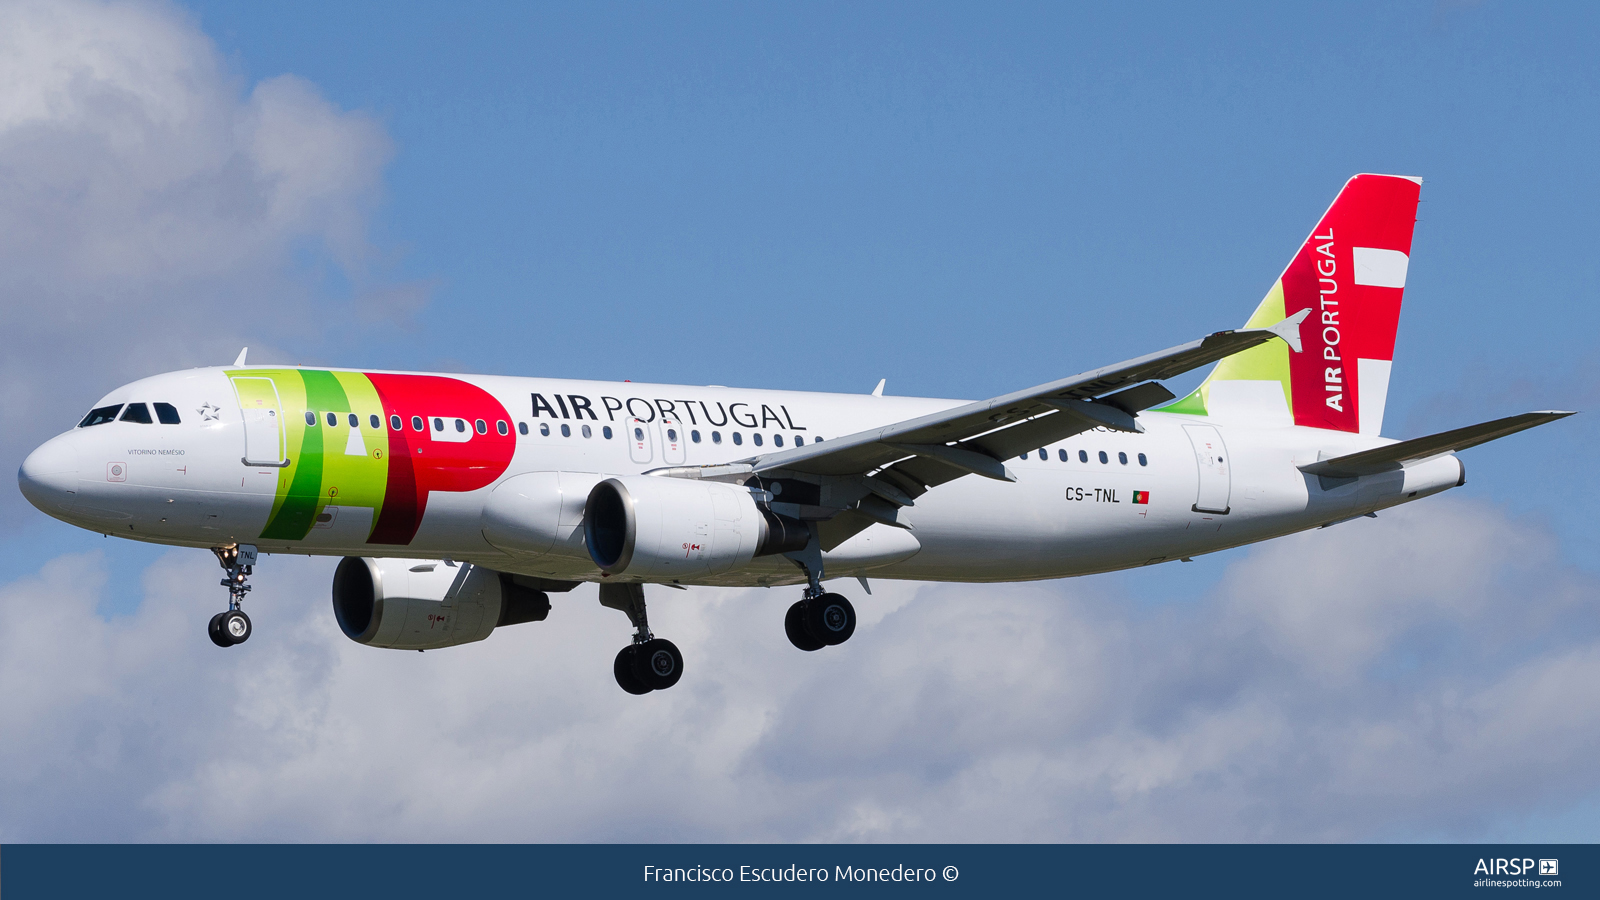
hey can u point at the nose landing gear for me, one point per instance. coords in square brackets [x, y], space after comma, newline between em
[649, 663]
[233, 626]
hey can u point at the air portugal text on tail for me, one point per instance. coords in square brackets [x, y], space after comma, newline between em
[484, 498]
[1349, 275]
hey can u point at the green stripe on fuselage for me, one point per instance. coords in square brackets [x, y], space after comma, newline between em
[296, 510]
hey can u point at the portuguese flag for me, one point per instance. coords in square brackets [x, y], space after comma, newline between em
[1141, 496]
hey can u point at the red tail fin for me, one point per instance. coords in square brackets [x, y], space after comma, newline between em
[1350, 273]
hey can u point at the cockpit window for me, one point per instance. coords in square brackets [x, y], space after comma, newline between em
[136, 412]
[100, 415]
[167, 414]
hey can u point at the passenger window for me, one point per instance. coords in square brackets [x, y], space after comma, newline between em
[816, 440]
[479, 425]
[136, 412]
[461, 426]
[167, 414]
[522, 428]
[1023, 457]
[716, 437]
[587, 432]
[738, 438]
[694, 435]
[638, 434]
[375, 422]
[1103, 458]
[502, 427]
[1043, 453]
[333, 419]
[394, 423]
[566, 430]
[311, 418]
[755, 437]
[438, 424]
[1143, 461]
[1122, 457]
[101, 415]
[544, 429]
[416, 423]
[672, 435]
[1083, 456]
[1062, 454]
[354, 422]
[777, 440]
[606, 432]
[799, 440]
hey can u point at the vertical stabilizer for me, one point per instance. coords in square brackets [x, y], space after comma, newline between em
[1350, 274]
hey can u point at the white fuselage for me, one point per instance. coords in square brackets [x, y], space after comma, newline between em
[189, 483]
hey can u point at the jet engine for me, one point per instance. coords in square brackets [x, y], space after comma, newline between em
[656, 527]
[425, 604]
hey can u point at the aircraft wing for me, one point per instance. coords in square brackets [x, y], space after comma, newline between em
[906, 458]
[1396, 456]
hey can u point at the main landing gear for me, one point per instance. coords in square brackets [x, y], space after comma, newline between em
[819, 619]
[649, 663]
[233, 626]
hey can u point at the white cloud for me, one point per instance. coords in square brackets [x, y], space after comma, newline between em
[1456, 688]
[156, 213]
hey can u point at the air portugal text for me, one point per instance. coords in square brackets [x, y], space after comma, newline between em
[1327, 286]
[698, 412]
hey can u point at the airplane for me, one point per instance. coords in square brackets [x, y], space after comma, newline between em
[459, 503]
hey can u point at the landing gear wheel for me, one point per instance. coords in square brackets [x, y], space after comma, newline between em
[657, 664]
[794, 625]
[830, 618]
[218, 637]
[623, 670]
[235, 626]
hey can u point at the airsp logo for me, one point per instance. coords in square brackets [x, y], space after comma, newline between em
[1514, 867]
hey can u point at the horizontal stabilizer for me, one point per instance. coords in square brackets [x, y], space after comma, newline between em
[1395, 456]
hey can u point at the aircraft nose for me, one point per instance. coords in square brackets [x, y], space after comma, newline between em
[49, 476]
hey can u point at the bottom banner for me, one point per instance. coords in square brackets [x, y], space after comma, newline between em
[952, 870]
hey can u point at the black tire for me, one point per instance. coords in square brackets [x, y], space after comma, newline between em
[830, 618]
[623, 669]
[658, 664]
[794, 625]
[215, 630]
[235, 626]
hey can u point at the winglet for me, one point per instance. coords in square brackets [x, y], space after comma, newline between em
[878, 391]
[240, 360]
[1289, 329]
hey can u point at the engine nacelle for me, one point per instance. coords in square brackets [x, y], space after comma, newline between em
[539, 513]
[424, 604]
[649, 526]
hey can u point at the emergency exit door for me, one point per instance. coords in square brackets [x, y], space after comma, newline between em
[263, 422]
[640, 441]
[1212, 458]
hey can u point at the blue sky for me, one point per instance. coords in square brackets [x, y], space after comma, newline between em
[962, 200]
